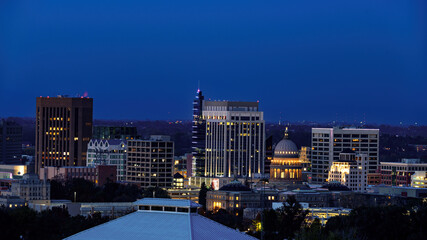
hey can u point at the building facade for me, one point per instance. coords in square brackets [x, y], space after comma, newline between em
[107, 133]
[63, 130]
[99, 174]
[399, 173]
[328, 143]
[150, 162]
[286, 164]
[235, 139]
[10, 141]
[419, 179]
[232, 197]
[108, 152]
[198, 135]
[30, 187]
[350, 170]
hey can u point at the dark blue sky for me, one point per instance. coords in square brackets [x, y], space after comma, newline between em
[305, 60]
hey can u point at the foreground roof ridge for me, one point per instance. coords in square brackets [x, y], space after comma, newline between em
[217, 223]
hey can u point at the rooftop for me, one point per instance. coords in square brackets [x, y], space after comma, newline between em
[149, 224]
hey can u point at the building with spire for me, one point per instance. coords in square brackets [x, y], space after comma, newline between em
[198, 136]
[286, 164]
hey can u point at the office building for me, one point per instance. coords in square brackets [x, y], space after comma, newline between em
[286, 164]
[269, 154]
[10, 141]
[399, 173]
[30, 187]
[108, 152]
[198, 136]
[328, 143]
[107, 133]
[150, 162]
[235, 139]
[99, 174]
[159, 219]
[63, 130]
[419, 179]
[350, 170]
[232, 197]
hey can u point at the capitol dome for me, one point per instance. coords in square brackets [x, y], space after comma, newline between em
[286, 148]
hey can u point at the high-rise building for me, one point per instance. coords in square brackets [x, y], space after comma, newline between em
[198, 136]
[63, 131]
[269, 154]
[150, 162]
[107, 133]
[108, 152]
[328, 143]
[10, 141]
[350, 170]
[235, 139]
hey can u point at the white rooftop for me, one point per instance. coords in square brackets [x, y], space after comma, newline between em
[151, 224]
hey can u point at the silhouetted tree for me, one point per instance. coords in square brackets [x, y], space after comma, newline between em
[202, 195]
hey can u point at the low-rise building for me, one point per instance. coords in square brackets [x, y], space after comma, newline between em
[399, 173]
[350, 170]
[30, 187]
[185, 194]
[233, 197]
[162, 219]
[419, 179]
[12, 202]
[99, 174]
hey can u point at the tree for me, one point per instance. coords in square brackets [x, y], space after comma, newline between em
[155, 192]
[202, 195]
[291, 218]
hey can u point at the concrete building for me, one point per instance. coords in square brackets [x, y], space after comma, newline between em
[184, 194]
[63, 130]
[12, 202]
[10, 141]
[30, 187]
[198, 141]
[12, 171]
[109, 133]
[286, 164]
[419, 179]
[399, 173]
[108, 152]
[99, 174]
[328, 143]
[233, 197]
[350, 170]
[150, 162]
[235, 139]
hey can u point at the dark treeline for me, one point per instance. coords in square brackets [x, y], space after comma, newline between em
[86, 191]
[390, 222]
[25, 223]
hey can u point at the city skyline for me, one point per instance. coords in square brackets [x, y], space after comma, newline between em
[328, 61]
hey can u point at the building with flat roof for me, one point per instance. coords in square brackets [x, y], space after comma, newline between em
[419, 179]
[350, 170]
[150, 162]
[99, 174]
[63, 130]
[328, 143]
[109, 132]
[235, 139]
[108, 152]
[399, 173]
[160, 219]
[10, 141]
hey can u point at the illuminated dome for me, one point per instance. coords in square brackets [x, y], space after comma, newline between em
[286, 148]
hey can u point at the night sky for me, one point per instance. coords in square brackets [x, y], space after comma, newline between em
[303, 60]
